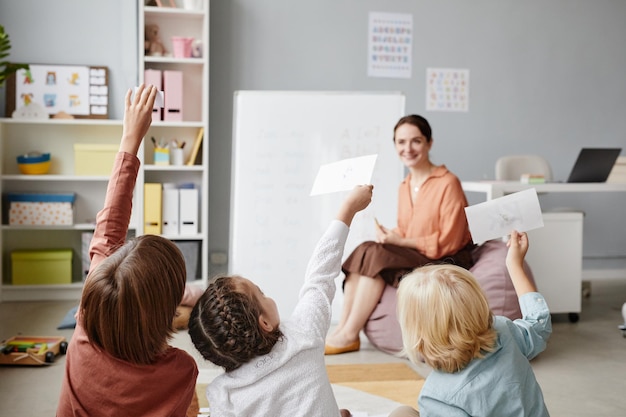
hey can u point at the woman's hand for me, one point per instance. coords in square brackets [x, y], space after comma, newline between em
[384, 235]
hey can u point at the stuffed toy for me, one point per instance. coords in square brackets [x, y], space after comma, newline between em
[153, 45]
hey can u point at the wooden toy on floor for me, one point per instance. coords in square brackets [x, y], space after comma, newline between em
[31, 350]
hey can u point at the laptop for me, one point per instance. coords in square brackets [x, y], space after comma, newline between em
[594, 164]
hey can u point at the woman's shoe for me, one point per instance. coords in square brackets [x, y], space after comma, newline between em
[332, 350]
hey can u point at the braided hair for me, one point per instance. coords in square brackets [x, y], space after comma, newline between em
[224, 325]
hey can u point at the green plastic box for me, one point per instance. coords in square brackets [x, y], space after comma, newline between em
[41, 267]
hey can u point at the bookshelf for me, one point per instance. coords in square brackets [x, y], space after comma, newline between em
[59, 137]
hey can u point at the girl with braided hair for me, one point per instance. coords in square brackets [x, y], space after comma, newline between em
[273, 367]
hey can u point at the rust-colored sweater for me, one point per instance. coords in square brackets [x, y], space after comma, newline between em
[97, 384]
[437, 220]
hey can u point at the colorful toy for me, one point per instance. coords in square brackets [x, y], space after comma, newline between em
[32, 350]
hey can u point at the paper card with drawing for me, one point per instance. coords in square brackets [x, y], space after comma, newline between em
[496, 218]
[344, 175]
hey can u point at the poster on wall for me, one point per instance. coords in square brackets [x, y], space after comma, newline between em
[77, 90]
[389, 45]
[447, 89]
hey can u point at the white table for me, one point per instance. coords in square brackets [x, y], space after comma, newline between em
[555, 253]
[495, 189]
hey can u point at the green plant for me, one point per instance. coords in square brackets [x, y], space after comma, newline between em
[7, 68]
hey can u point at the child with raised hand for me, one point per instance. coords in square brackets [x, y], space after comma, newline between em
[274, 368]
[480, 361]
[119, 361]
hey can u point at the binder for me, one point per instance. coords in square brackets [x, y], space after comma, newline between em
[193, 155]
[173, 91]
[153, 76]
[171, 211]
[188, 211]
[152, 196]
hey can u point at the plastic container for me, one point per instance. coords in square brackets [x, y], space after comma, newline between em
[182, 46]
[35, 164]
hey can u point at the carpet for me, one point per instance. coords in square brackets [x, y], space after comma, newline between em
[395, 381]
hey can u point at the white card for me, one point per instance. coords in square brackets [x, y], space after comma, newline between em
[158, 100]
[344, 175]
[498, 217]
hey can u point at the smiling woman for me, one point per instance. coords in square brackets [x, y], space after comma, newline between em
[431, 228]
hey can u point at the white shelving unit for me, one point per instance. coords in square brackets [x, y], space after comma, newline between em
[59, 136]
[192, 23]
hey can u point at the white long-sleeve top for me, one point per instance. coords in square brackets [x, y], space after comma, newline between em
[291, 380]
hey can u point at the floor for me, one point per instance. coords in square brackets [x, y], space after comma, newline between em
[582, 372]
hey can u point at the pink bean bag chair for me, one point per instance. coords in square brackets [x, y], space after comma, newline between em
[383, 329]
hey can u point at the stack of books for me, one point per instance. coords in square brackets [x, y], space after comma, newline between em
[532, 179]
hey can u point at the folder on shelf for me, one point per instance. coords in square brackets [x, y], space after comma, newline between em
[193, 155]
[152, 196]
[154, 77]
[188, 211]
[173, 91]
[170, 211]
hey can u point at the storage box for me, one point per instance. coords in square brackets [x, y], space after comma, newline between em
[34, 209]
[94, 159]
[36, 267]
[191, 252]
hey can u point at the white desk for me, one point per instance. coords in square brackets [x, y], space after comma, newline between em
[555, 252]
[495, 189]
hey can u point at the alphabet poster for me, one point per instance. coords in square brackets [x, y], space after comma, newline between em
[389, 45]
[447, 89]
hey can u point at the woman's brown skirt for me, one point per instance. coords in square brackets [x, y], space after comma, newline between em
[392, 262]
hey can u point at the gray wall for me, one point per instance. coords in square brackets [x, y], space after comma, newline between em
[546, 77]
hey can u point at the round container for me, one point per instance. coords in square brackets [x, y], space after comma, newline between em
[34, 164]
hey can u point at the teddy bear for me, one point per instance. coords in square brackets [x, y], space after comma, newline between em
[153, 45]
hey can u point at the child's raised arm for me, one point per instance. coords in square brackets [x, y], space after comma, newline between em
[137, 117]
[518, 246]
[358, 199]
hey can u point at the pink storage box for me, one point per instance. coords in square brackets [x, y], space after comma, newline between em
[173, 92]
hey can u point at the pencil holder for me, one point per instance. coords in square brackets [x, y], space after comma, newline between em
[176, 156]
[161, 156]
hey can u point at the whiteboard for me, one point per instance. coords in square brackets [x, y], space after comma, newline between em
[280, 140]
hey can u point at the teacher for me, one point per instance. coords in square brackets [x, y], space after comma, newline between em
[432, 228]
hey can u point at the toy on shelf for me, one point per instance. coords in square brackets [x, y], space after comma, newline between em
[32, 350]
[153, 45]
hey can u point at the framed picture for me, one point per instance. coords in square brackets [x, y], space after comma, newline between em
[78, 90]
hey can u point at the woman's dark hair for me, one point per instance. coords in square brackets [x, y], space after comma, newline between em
[417, 121]
[224, 325]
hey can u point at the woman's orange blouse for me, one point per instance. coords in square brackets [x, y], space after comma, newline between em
[437, 220]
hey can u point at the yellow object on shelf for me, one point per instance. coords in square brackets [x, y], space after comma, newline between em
[94, 159]
[34, 163]
[40, 267]
[36, 168]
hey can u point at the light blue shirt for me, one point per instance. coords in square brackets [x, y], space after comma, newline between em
[502, 384]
